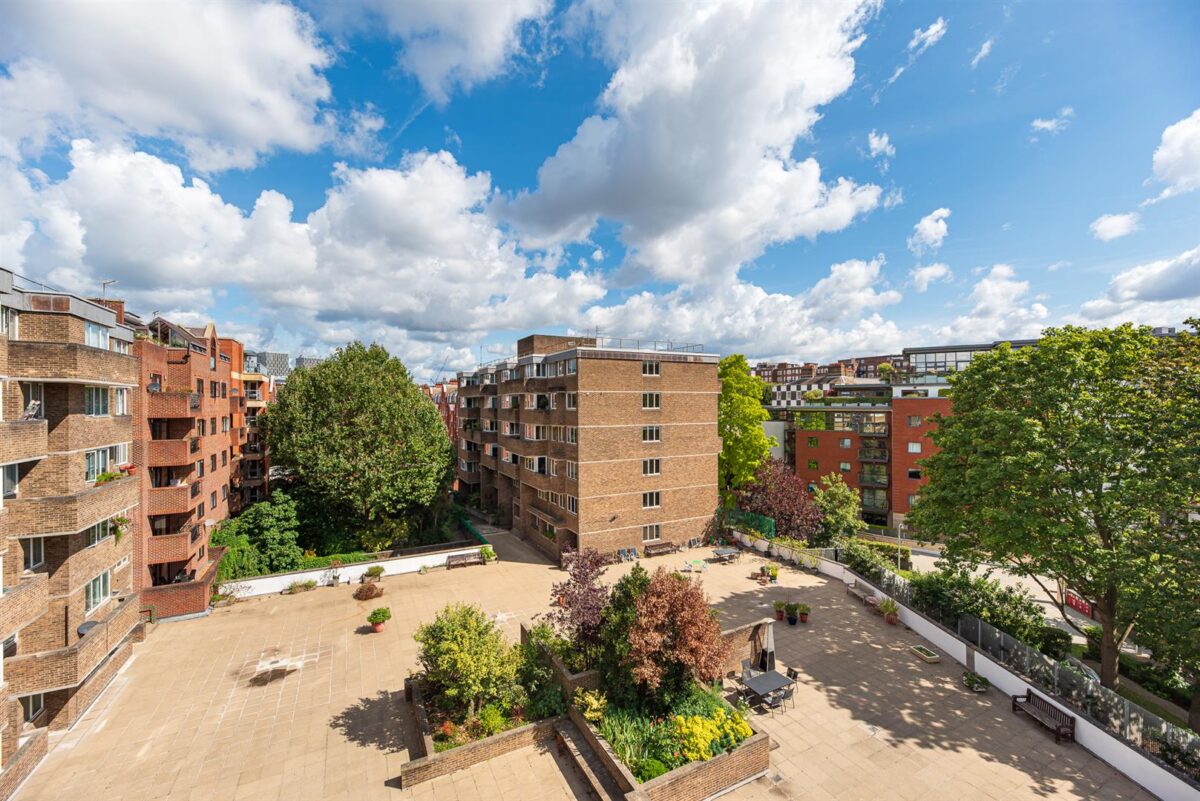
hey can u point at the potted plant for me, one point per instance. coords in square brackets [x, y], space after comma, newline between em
[488, 553]
[890, 610]
[334, 578]
[779, 607]
[793, 611]
[378, 617]
[373, 573]
[974, 682]
[803, 610]
[773, 573]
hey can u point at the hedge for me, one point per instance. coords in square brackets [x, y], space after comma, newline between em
[314, 562]
[888, 551]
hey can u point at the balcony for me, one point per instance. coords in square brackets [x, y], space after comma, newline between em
[872, 479]
[186, 597]
[177, 547]
[66, 514]
[46, 671]
[171, 452]
[22, 440]
[874, 504]
[70, 361]
[173, 403]
[23, 603]
[872, 455]
[176, 500]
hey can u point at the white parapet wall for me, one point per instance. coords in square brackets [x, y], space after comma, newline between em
[276, 583]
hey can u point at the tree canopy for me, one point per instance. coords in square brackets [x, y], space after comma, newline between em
[1071, 461]
[777, 492]
[357, 430]
[467, 657]
[262, 539]
[745, 446]
[840, 508]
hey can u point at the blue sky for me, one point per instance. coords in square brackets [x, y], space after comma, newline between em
[800, 181]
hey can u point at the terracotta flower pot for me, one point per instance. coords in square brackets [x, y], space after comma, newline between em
[779, 614]
[803, 617]
[377, 627]
[891, 619]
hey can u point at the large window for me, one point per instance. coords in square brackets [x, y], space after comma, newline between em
[98, 532]
[651, 434]
[651, 500]
[96, 592]
[32, 705]
[34, 397]
[914, 447]
[651, 467]
[651, 400]
[651, 368]
[651, 533]
[34, 551]
[95, 401]
[102, 459]
[9, 479]
[95, 335]
[120, 346]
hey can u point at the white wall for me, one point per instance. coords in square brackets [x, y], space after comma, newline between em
[347, 574]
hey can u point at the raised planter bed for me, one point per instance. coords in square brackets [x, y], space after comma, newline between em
[925, 654]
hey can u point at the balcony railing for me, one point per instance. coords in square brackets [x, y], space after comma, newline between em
[872, 480]
[23, 603]
[63, 514]
[872, 455]
[170, 500]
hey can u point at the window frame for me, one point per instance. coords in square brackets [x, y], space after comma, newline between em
[26, 553]
[652, 401]
[652, 466]
[914, 447]
[652, 528]
[652, 433]
[101, 584]
[652, 499]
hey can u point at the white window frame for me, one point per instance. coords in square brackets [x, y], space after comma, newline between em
[10, 482]
[94, 397]
[652, 500]
[573, 471]
[30, 710]
[99, 532]
[571, 400]
[651, 433]
[652, 401]
[95, 463]
[38, 552]
[120, 405]
[97, 592]
[36, 392]
[914, 447]
[572, 504]
[95, 335]
[652, 467]
[651, 369]
[654, 530]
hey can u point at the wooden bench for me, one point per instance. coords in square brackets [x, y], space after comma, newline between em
[861, 593]
[464, 559]
[1047, 714]
[660, 548]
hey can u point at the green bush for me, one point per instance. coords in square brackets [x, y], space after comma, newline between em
[1056, 643]
[867, 562]
[1091, 649]
[492, 720]
[887, 550]
[948, 594]
[544, 697]
[317, 562]
[650, 769]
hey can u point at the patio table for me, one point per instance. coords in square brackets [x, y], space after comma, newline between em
[725, 554]
[764, 684]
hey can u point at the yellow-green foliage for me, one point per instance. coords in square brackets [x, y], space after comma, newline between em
[702, 738]
[592, 704]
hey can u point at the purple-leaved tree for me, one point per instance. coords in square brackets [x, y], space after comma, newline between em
[581, 601]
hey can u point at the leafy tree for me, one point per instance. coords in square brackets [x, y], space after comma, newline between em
[1068, 463]
[579, 615]
[357, 430]
[1171, 627]
[467, 658]
[950, 593]
[779, 493]
[740, 415]
[262, 538]
[675, 640]
[544, 698]
[840, 508]
[240, 559]
[617, 621]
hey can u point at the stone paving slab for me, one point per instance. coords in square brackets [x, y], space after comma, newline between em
[291, 698]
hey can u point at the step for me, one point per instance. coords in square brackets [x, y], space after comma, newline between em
[571, 741]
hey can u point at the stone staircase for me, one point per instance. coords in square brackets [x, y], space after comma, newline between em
[571, 743]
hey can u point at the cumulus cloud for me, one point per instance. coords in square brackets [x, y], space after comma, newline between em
[923, 276]
[922, 39]
[929, 232]
[690, 152]
[881, 148]
[386, 257]
[360, 135]
[984, 51]
[1160, 292]
[1177, 158]
[1108, 227]
[1054, 125]
[227, 81]
[447, 45]
[1001, 308]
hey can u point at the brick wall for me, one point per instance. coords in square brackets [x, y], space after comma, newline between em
[22, 439]
[745, 642]
[902, 434]
[72, 361]
[71, 704]
[23, 602]
[616, 769]
[570, 682]
[699, 780]
[71, 513]
[22, 763]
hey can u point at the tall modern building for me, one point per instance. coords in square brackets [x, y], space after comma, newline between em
[69, 513]
[308, 361]
[268, 363]
[583, 443]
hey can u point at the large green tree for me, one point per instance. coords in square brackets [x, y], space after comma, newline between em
[356, 429]
[262, 539]
[745, 445]
[1064, 463]
[841, 510]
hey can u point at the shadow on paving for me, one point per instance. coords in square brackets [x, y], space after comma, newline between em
[511, 548]
[859, 663]
[382, 722]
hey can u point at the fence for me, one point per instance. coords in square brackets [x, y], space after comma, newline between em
[1176, 747]
[734, 517]
[474, 532]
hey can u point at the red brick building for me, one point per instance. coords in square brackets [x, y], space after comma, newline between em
[444, 395]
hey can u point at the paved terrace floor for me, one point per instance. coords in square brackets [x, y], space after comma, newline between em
[291, 698]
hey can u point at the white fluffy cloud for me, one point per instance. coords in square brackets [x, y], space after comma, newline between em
[925, 275]
[1001, 308]
[1163, 292]
[691, 151]
[447, 44]
[1177, 158]
[881, 148]
[1056, 124]
[408, 256]
[929, 232]
[1108, 227]
[226, 81]
[984, 51]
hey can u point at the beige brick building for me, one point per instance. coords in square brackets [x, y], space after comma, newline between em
[579, 443]
[68, 513]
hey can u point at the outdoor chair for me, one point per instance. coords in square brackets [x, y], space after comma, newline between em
[788, 694]
[771, 703]
[793, 674]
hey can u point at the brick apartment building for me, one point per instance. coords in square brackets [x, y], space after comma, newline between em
[183, 445]
[580, 443]
[236, 353]
[444, 395]
[69, 513]
[252, 479]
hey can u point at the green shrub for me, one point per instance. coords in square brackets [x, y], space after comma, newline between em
[887, 551]
[492, 720]
[317, 562]
[948, 594]
[544, 697]
[380, 615]
[1056, 643]
[1091, 636]
[867, 562]
[488, 553]
[301, 586]
[591, 703]
[374, 571]
[649, 769]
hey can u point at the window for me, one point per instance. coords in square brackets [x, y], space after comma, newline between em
[651, 533]
[121, 401]
[32, 705]
[844, 467]
[95, 401]
[651, 500]
[571, 400]
[914, 472]
[572, 504]
[651, 368]
[224, 424]
[224, 390]
[914, 421]
[34, 549]
[10, 646]
[212, 499]
[96, 592]
[200, 510]
[651, 467]
[812, 464]
[571, 434]
[96, 462]
[812, 442]
[120, 346]
[651, 434]
[224, 492]
[573, 471]
[212, 462]
[651, 400]
[200, 469]
[844, 442]
[34, 394]
[119, 454]
[214, 389]
[9, 479]
[95, 335]
[202, 426]
[98, 532]
[912, 499]
[212, 424]
[914, 447]
[224, 458]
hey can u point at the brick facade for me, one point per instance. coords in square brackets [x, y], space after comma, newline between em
[573, 414]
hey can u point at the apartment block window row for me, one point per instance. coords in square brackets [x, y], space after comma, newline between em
[651, 467]
[95, 335]
[101, 531]
[651, 400]
[95, 401]
[651, 500]
[104, 460]
[551, 369]
[651, 434]
[97, 591]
